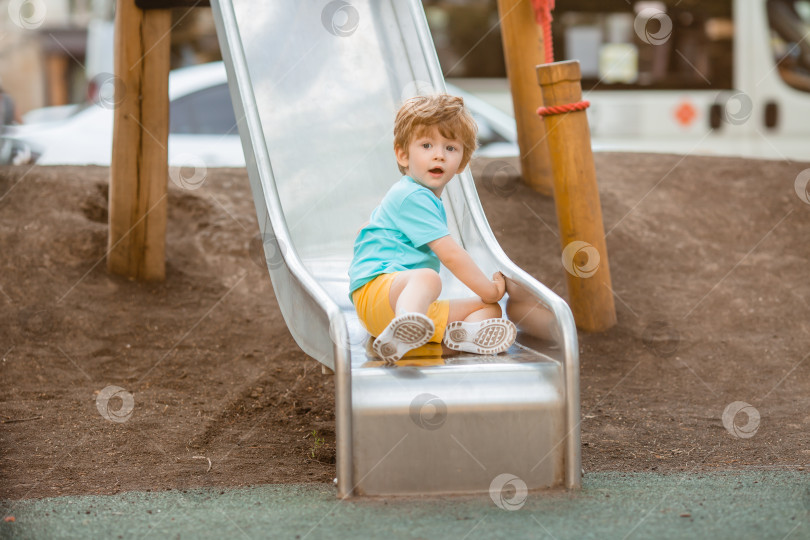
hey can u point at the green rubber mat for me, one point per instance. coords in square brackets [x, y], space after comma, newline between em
[738, 505]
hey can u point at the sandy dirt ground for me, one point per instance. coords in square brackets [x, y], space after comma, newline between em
[709, 260]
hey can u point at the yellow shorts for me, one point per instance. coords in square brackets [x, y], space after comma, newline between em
[374, 307]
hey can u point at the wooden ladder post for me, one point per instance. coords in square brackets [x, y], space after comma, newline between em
[576, 197]
[524, 49]
[139, 166]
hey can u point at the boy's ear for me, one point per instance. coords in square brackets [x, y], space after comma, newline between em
[402, 157]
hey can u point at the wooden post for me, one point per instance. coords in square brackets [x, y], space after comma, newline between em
[57, 68]
[576, 197]
[139, 167]
[524, 49]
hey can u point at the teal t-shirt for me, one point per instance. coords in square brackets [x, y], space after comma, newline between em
[396, 237]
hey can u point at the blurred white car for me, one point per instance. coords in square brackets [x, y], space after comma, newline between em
[202, 126]
[50, 114]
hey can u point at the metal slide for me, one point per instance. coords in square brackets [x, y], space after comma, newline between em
[315, 86]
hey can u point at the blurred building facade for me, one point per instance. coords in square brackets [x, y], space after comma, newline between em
[44, 48]
[51, 49]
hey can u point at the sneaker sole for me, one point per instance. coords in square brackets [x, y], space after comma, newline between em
[402, 334]
[491, 336]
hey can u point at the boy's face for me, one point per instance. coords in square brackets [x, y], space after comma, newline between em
[431, 159]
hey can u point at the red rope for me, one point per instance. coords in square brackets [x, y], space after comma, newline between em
[542, 11]
[562, 109]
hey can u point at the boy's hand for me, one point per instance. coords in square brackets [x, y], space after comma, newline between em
[499, 286]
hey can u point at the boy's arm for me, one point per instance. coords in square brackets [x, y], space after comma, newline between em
[459, 262]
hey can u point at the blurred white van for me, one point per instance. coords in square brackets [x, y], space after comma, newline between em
[728, 77]
[716, 77]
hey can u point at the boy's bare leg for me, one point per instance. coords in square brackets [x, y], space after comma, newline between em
[412, 291]
[410, 296]
[472, 310]
[477, 327]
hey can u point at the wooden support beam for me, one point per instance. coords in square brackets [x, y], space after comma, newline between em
[139, 167]
[576, 197]
[57, 69]
[524, 50]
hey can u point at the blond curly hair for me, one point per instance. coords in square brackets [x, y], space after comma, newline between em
[421, 113]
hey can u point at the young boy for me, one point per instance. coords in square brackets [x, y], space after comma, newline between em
[394, 273]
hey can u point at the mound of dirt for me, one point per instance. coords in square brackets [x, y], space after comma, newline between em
[708, 258]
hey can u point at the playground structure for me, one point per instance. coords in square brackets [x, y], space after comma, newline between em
[314, 99]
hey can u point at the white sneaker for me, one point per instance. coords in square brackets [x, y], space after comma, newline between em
[490, 336]
[404, 333]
